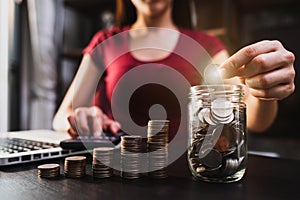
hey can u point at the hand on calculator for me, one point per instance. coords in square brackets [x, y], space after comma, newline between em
[91, 121]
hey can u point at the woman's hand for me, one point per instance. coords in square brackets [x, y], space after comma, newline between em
[266, 68]
[85, 121]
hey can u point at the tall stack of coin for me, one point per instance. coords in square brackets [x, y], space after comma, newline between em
[131, 147]
[75, 166]
[102, 162]
[49, 171]
[157, 144]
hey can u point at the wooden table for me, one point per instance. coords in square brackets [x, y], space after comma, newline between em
[266, 178]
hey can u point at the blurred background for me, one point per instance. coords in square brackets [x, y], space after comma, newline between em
[41, 44]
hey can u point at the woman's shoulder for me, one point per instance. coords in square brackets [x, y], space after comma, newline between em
[210, 42]
[102, 35]
[107, 33]
[198, 34]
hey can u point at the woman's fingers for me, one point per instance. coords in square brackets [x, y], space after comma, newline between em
[91, 121]
[277, 84]
[257, 58]
[82, 124]
[72, 130]
[114, 127]
[96, 121]
[266, 68]
[231, 67]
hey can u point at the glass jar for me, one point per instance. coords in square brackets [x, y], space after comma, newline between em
[217, 133]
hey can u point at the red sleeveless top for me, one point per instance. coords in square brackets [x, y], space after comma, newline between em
[132, 91]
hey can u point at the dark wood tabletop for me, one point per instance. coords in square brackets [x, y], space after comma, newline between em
[265, 178]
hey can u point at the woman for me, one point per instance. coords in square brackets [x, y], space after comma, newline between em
[264, 68]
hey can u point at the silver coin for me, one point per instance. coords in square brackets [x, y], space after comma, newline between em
[202, 113]
[208, 119]
[222, 107]
[230, 167]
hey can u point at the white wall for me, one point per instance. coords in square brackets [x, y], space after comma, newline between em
[4, 40]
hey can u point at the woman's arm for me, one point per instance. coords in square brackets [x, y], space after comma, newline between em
[79, 93]
[77, 114]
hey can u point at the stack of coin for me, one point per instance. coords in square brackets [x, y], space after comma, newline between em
[75, 166]
[102, 162]
[49, 171]
[157, 144]
[131, 147]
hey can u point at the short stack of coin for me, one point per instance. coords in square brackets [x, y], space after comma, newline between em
[49, 171]
[102, 162]
[221, 112]
[157, 144]
[75, 166]
[131, 147]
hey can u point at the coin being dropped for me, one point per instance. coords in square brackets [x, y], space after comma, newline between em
[212, 74]
[48, 170]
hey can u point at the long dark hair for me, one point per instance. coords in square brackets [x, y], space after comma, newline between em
[126, 13]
